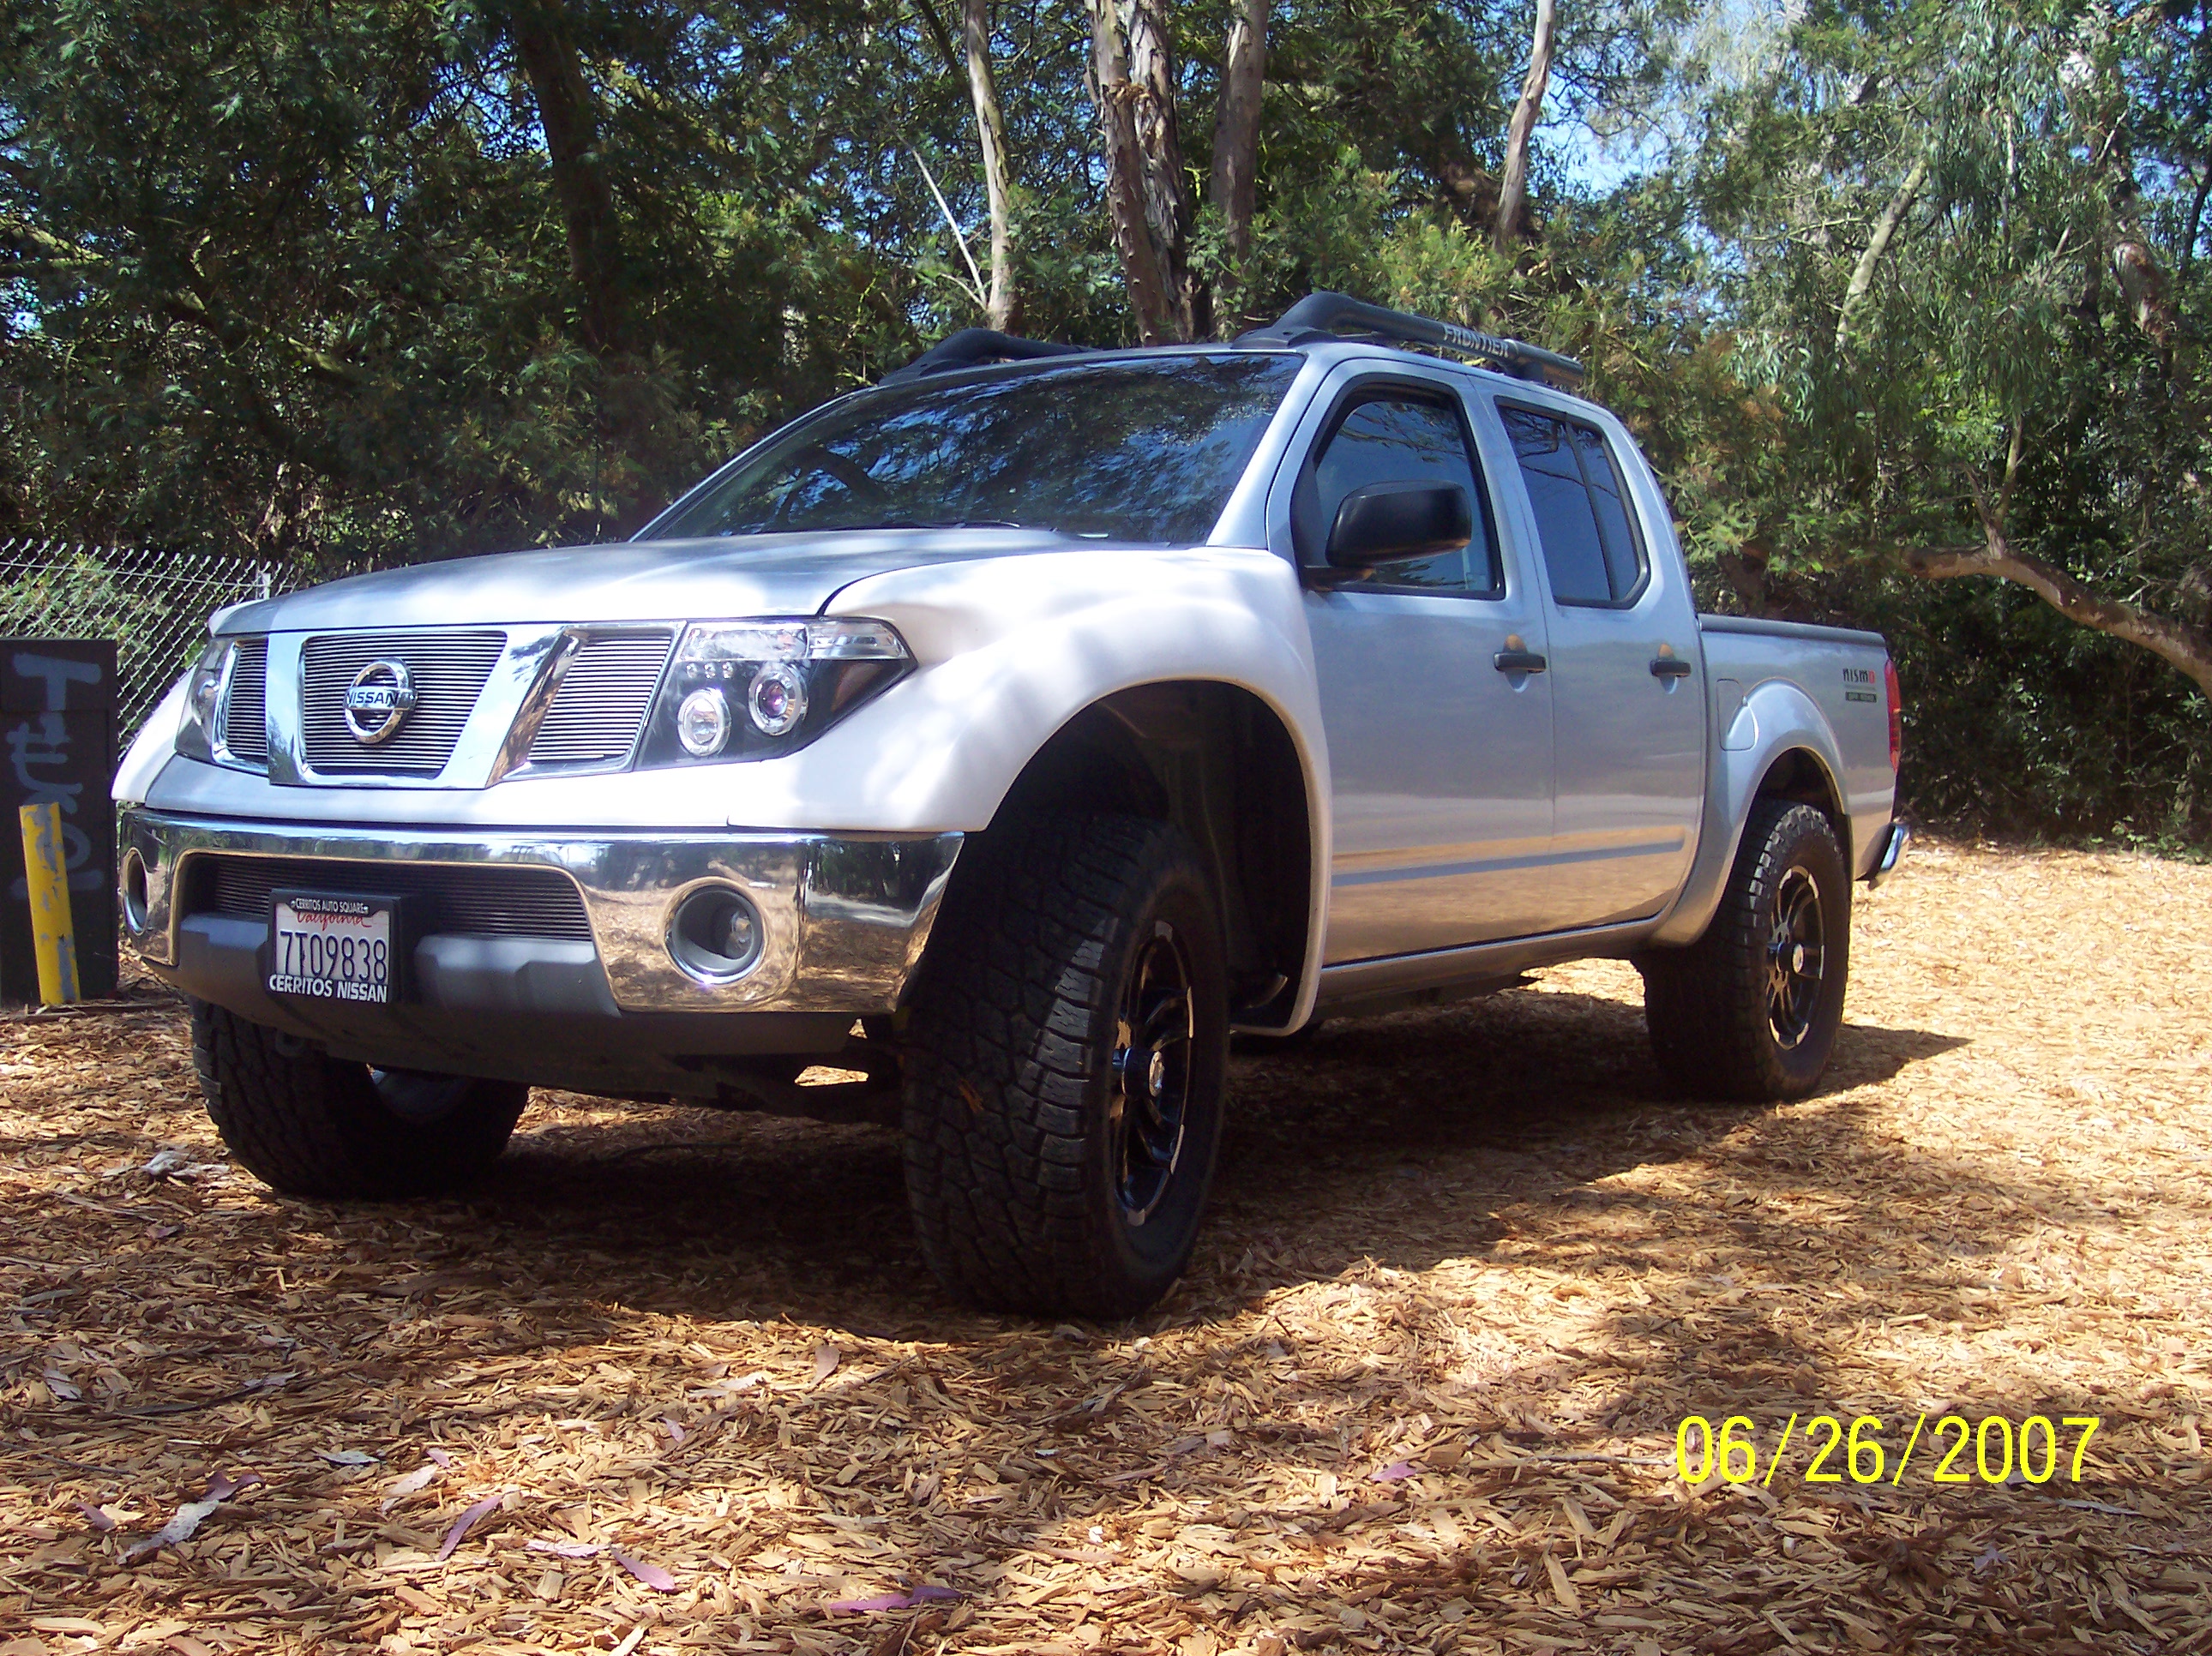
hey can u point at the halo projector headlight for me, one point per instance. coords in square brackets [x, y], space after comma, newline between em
[794, 676]
[703, 722]
[777, 700]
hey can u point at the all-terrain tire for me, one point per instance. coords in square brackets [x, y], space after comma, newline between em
[1062, 1111]
[307, 1124]
[1750, 1010]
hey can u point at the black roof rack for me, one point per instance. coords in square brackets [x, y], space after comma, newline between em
[972, 348]
[1329, 316]
[1314, 319]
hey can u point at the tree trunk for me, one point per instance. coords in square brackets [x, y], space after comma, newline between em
[568, 112]
[1124, 179]
[1513, 192]
[1159, 143]
[991, 134]
[1235, 179]
[1885, 231]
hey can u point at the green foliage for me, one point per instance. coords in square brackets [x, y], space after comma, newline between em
[300, 279]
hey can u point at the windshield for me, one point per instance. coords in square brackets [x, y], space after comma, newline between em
[1141, 449]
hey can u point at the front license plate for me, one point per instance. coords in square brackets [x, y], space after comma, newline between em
[326, 946]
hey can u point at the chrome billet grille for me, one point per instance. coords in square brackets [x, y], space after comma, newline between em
[449, 671]
[601, 702]
[245, 730]
[489, 899]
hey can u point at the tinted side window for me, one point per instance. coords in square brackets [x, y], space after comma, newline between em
[1391, 438]
[1591, 550]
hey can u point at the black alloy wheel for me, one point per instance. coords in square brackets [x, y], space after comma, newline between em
[1152, 1069]
[1796, 960]
[1751, 1009]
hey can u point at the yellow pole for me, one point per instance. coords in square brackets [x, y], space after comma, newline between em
[46, 866]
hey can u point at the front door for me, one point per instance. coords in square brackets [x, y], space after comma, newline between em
[1628, 700]
[1440, 749]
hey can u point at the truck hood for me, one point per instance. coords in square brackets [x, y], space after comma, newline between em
[631, 580]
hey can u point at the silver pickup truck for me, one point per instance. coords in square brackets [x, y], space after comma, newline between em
[977, 752]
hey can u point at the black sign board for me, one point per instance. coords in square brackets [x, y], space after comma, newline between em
[57, 744]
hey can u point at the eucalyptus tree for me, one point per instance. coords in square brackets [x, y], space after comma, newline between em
[1947, 240]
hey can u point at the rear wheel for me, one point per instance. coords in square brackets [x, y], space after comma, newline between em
[1751, 1009]
[1064, 1068]
[310, 1124]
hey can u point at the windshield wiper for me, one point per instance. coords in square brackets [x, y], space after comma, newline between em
[949, 523]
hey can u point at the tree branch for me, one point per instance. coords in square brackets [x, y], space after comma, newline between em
[56, 251]
[2196, 221]
[937, 33]
[1885, 230]
[2187, 648]
[991, 135]
[1513, 190]
[184, 306]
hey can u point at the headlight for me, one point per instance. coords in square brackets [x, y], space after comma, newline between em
[752, 689]
[203, 696]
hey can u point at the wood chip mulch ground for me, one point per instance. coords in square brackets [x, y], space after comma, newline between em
[676, 1382]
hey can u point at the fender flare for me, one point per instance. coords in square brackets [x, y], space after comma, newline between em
[1776, 719]
[1011, 652]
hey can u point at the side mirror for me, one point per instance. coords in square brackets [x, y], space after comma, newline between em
[1380, 522]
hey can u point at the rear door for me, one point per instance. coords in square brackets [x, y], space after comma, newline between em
[1627, 678]
[1441, 761]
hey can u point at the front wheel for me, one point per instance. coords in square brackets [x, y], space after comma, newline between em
[307, 1124]
[1064, 1068]
[1751, 1009]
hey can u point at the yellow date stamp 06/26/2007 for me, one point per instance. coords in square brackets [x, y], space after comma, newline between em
[1830, 1450]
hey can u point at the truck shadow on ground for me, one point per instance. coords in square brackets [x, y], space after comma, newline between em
[1391, 1139]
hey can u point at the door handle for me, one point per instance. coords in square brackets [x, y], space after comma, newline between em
[1669, 667]
[1518, 661]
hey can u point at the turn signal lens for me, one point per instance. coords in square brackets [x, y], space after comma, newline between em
[203, 692]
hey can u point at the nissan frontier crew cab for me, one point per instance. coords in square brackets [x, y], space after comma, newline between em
[1004, 737]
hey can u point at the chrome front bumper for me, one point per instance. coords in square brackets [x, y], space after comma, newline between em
[845, 917]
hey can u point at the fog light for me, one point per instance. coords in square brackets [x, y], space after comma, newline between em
[777, 700]
[716, 935]
[702, 723]
[134, 891]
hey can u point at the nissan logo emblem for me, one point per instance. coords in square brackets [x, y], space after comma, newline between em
[377, 700]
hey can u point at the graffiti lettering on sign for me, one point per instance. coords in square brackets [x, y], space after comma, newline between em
[39, 756]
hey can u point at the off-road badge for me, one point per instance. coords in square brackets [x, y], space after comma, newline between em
[378, 699]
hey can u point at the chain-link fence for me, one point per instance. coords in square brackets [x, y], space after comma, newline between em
[153, 604]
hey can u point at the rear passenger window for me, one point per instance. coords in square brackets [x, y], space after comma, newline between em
[1592, 553]
[1397, 437]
